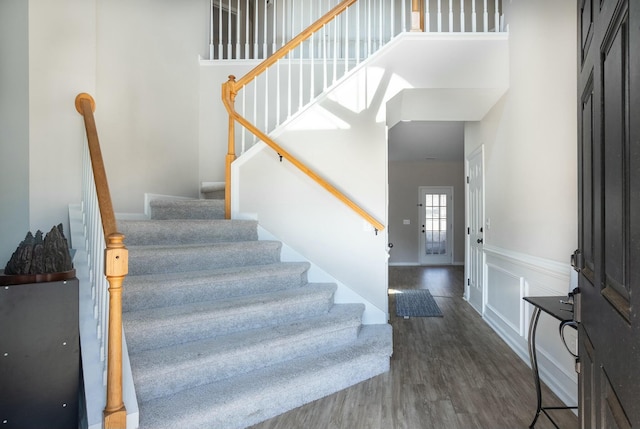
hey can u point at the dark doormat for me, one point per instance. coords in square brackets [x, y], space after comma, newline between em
[416, 303]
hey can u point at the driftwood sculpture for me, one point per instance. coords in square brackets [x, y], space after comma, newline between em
[35, 255]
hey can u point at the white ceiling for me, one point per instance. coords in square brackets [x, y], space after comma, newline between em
[450, 79]
[426, 140]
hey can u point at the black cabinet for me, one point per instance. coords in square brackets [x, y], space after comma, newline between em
[39, 355]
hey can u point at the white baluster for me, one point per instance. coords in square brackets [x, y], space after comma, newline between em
[485, 17]
[284, 22]
[256, 52]
[439, 16]
[220, 46]
[427, 17]
[238, 28]
[312, 54]
[229, 39]
[335, 51]
[266, 100]
[211, 29]
[324, 56]
[265, 20]
[358, 33]
[380, 25]
[462, 29]
[392, 13]
[346, 41]
[274, 7]
[244, 113]
[247, 26]
[368, 28]
[301, 63]
[255, 101]
[450, 16]
[496, 16]
[473, 16]
[289, 89]
[403, 14]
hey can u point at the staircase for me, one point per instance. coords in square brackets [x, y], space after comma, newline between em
[222, 334]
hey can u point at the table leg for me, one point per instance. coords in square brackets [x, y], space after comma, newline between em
[534, 362]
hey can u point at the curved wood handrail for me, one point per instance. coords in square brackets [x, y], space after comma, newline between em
[228, 95]
[293, 43]
[115, 269]
[230, 90]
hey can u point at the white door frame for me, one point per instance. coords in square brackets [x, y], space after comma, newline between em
[447, 258]
[475, 235]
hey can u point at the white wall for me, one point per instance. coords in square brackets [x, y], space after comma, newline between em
[148, 96]
[14, 123]
[55, 60]
[347, 145]
[531, 181]
[531, 152]
[61, 65]
[405, 177]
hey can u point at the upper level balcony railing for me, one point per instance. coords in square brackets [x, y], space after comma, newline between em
[255, 29]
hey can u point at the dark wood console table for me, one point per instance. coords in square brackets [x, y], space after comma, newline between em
[562, 310]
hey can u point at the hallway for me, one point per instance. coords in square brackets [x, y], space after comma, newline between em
[452, 372]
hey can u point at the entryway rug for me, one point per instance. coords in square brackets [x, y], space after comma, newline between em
[416, 303]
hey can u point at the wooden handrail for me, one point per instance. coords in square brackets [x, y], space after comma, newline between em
[230, 90]
[115, 269]
[293, 43]
[227, 91]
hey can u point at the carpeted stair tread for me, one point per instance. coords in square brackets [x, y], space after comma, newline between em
[161, 372]
[221, 333]
[157, 290]
[166, 326]
[186, 231]
[187, 209]
[159, 259]
[256, 396]
[214, 190]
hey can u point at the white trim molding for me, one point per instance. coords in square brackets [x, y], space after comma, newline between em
[510, 276]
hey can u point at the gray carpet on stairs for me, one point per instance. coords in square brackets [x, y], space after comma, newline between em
[223, 334]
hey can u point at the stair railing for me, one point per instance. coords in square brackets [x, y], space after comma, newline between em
[110, 245]
[247, 29]
[337, 62]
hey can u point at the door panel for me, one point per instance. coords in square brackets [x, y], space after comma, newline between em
[436, 234]
[475, 232]
[609, 222]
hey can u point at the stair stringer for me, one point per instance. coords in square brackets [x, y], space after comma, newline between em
[372, 315]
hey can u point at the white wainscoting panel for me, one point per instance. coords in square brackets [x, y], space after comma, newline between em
[510, 276]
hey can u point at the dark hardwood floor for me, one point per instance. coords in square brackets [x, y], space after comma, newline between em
[451, 372]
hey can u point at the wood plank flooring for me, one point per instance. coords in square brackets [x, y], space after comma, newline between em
[451, 372]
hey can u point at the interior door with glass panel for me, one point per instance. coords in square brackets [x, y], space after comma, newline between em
[436, 225]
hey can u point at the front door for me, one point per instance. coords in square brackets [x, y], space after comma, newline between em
[609, 213]
[436, 217]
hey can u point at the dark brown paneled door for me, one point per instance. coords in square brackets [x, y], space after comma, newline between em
[609, 213]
